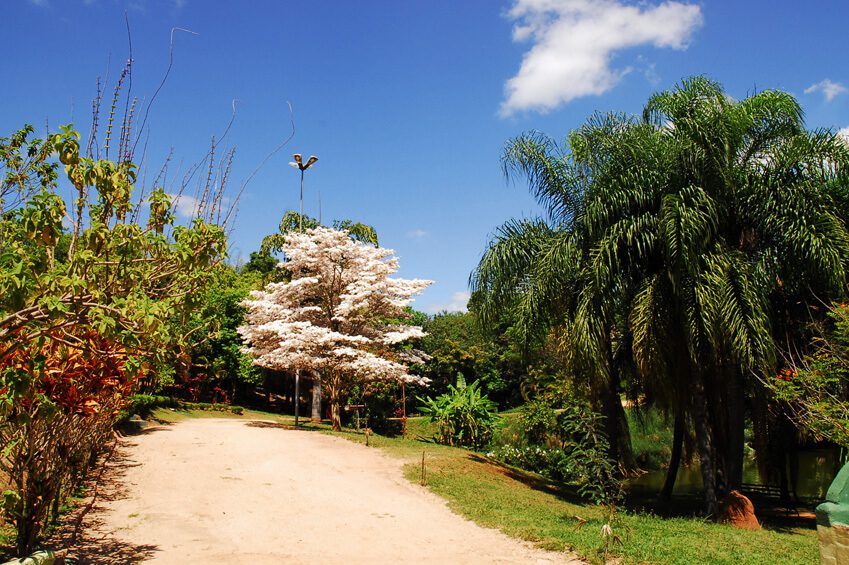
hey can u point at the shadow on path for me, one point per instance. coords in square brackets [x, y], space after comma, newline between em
[279, 426]
[83, 535]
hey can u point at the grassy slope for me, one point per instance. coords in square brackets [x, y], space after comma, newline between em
[529, 507]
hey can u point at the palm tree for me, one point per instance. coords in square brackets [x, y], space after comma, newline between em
[540, 269]
[694, 225]
[744, 218]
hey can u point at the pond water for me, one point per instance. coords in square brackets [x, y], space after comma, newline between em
[817, 468]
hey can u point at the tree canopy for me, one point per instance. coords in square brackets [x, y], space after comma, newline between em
[334, 313]
[675, 250]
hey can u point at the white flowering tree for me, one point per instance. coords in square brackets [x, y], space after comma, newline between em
[335, 314]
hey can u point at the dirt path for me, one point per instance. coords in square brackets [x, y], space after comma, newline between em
[230, 491]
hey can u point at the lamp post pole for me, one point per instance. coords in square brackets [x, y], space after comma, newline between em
[301, 209]
[301, 166]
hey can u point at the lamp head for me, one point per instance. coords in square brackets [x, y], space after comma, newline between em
[310, 161]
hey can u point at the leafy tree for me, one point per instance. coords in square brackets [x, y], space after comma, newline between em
[222, 368]
[331, 315]
[259, 262]
[458, 345]
[85, 311]
[814, 389]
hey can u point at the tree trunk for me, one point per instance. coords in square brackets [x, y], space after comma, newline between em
[316, 397]
[705, 443]
[736, 431]
[335, 408]
[618, 432]
[615, 422]
[675, 459]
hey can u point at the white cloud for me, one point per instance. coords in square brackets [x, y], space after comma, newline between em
[573, 43]
[186, 206]
[458, 303]
[829, 89]
[844, 133]
[417, 234]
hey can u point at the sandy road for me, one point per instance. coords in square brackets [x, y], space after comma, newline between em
[230, 491]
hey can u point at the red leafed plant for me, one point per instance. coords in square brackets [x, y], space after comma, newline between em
[59, 397]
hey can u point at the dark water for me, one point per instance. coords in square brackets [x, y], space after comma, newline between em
[817, 468]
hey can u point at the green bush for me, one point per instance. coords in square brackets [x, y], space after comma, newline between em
[586, 455]
[382, 406]
[144, 404]
[464, 415]
[217, 407]
[537, 420]
[569, 446]
[534, 458]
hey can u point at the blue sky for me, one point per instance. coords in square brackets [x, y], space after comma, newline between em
[407, 104]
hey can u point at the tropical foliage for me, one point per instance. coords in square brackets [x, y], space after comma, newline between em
[678, 249]
[814, 389]
[567, 445]
[464, 416]
[58, 402]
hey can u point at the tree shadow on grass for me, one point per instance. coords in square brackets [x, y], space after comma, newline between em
[536, 482]
[159, 427]
[774, 515]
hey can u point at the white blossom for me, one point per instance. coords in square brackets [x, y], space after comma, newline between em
[332, 315]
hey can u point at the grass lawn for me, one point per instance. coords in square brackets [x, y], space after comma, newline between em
[529, 507]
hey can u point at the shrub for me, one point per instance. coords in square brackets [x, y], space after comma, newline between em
[93, 296]
[534, 458]
[58, 403]
[586, 455]
[537, 420]
[568, 446]
[217, 407]
[144, 404]
[464, 415]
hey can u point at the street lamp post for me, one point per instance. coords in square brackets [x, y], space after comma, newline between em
[301, 166]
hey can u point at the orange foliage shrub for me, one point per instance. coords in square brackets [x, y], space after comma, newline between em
[59, 397]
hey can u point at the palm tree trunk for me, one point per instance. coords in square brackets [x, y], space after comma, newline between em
[618, 432]
[675, 459]
[736, 420]
[705, 443]
[616, 422]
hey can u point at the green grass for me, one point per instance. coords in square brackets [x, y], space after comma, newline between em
[529, 507]
[187, 411]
